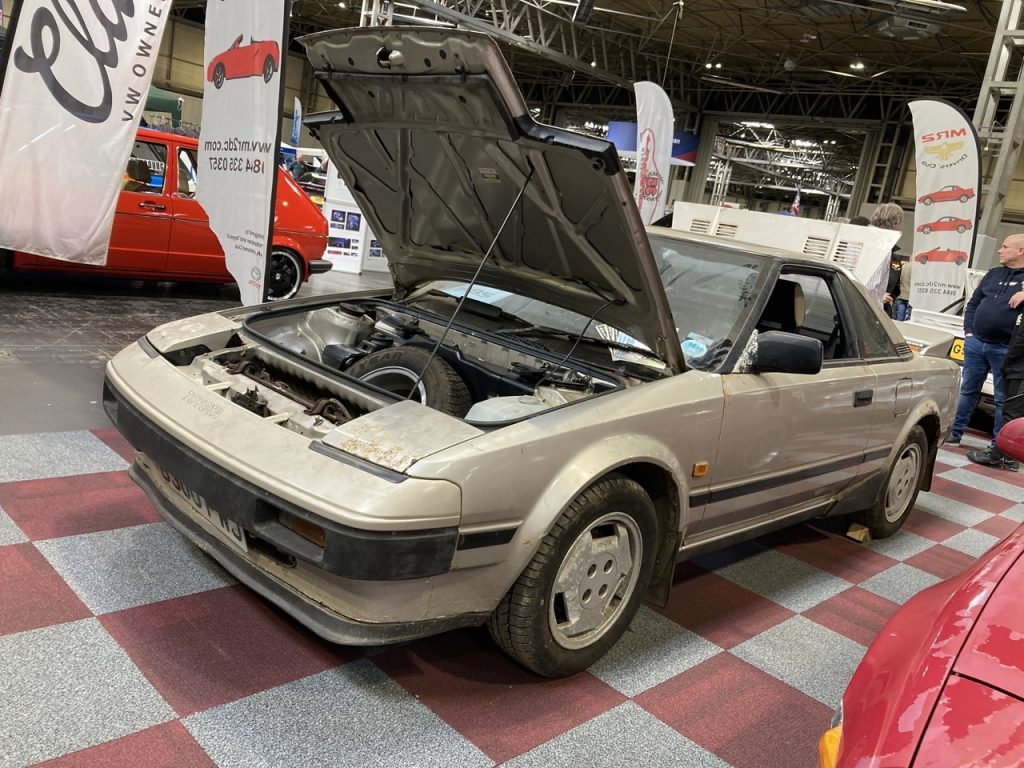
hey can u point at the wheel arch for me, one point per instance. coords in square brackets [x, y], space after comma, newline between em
[932, 427]
[286, 243]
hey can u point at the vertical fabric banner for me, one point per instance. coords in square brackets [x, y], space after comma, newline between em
[238, 142]
[72, 93]
[794, 207]
[296, 122]
[653, 149]
[946, 214]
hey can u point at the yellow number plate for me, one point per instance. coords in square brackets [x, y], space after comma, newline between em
[956, 352]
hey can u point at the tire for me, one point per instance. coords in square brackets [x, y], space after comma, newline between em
[600, 553]
[959, 260]
[926, 230]
[218, 76]
[902, 484]
[923, 259]
[397, 369]
[928, 201]
[268, 69]
[961, 228]
[286, 274]
[964, 198]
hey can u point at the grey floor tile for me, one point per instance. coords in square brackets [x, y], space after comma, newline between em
[652, 650]
[900, 545]
[951, 509]
[125, 567]
[10, 533]
[988, 484]
[354, 711]
[805, 655]
[55, 454]
[68, 687]
[971, 542]
[789, 582]
[624, 736]
[1015, 513]
[899, 583]
[956, 457]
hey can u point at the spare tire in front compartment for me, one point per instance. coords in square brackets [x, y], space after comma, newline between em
[395, 370]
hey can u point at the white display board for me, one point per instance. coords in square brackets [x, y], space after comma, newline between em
[351, 245]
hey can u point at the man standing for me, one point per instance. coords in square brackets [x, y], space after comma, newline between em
[988, 323]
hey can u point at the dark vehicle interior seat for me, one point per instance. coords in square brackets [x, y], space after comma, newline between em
[139, 177]
[785, 308]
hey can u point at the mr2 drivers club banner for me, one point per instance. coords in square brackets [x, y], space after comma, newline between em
[72, 93]
[238, 143]
[654, 123]
[946, 214]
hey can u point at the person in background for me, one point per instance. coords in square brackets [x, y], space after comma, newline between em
[1013, 377]
[861, 221]
[903, 307]
[989, 320]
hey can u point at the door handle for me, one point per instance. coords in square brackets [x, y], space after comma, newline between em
[149, 205]
[863, 397]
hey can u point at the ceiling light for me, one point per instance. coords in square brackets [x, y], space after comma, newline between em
[718, 65]
[342, 4]
[857, 65]
[593, 63]
[708, 65]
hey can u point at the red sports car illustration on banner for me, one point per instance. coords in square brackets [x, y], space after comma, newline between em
[948, 193]
[259, 57]
[946, 224]
[941, 254]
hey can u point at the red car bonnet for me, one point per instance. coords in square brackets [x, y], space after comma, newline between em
[1011, 439]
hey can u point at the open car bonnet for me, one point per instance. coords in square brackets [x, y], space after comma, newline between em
[435, 142]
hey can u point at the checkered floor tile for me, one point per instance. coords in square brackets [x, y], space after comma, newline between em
[121, 645]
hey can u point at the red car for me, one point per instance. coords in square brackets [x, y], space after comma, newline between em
[946, 194]
[160, 232]
[259, 57]
[943, 683]
[946, 224]
[941, 254]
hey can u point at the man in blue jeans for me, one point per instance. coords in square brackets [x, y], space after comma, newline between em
[988, 324]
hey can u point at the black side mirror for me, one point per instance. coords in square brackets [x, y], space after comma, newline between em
[779, 352]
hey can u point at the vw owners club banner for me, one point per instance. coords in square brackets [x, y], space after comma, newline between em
[654, 124]
[73, 91]
[946, 214]
[238, 142]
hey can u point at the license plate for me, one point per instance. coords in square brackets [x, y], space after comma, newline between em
[232, 530]
[956, 352]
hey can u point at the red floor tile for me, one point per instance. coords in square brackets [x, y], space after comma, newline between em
[114, 440]
[855, 613]
[32, 594]
[998, 526]
[941, 467]
[744, 716]
[207, 649]
[718, 610]
[931, 526]
[67, 506]
[835, 554]
[941, 561]
[168, 745]
[973, 497]
[489, 699]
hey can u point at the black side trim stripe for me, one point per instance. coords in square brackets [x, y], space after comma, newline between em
[756, 486]
[486, 538]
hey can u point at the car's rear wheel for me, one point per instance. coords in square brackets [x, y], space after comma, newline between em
[896, 498]
[959, 260]
[268, 68]
[398, 370]
[285, 276]
[585, 582]
[218, 76]
[964, 198]
[961, 228]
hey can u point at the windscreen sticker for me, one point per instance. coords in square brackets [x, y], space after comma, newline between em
[490, 176]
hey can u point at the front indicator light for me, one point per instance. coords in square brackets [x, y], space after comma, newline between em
[828, 747]
[307, 530]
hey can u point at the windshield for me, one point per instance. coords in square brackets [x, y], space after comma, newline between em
[708, 290]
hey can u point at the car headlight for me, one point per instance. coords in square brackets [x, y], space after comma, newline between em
[828, 744]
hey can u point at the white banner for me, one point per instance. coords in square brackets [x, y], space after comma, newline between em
[946, 214]
[654, 124]
[296, 121]
[72, 96]
[238, 143]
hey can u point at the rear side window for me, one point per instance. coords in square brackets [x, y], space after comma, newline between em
[146, 169]
[188, 172]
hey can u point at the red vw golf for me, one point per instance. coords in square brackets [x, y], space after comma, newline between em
[160, 232]
[943, 683]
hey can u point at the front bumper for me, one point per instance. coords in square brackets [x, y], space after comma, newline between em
[347, 552]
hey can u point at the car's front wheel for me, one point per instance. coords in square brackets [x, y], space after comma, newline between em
[285, 276]
[218, 76]
[268, 68]
[927, 201]
[583, 586]
[923, 259]
[964, 198]
[926, 230]
[896, 498]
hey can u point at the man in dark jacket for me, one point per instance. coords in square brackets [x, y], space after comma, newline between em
[1013, 375]
[989, 320]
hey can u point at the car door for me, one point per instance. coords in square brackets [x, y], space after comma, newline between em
[789, 442]
[142, 221]
[194, 248]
